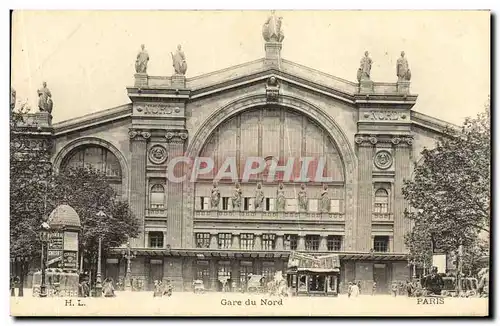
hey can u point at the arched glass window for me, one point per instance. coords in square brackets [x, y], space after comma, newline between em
[157, 197]
[381, 201]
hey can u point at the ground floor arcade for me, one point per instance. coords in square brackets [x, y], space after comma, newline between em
[233, 268]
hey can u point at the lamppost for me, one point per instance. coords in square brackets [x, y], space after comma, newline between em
[98, 281]
[128, 255]
[44, 237]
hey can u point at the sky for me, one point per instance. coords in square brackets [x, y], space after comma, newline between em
[87, 57]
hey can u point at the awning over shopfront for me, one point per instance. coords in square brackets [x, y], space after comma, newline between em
[315, 264]
[202, 253]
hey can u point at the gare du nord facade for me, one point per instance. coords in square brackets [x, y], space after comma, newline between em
[270, 108]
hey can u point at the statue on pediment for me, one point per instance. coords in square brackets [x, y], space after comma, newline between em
[324, 200]
[365, 67]
[141, 62]
[215, 196]
[272, 30]
[302, 198]
[236, 198]
[402, 68]
[280, 198]
[259, 196]
[45, 99]
[179, 61]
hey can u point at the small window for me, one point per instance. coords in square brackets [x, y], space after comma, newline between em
[247, 203]
[290, 242]
[225, 240]
[156, 239]
[268, 241]
[246, 241]
[334, 243]
[291, 205]
[225, 203]
[202, 240]
[335, 206]
[381, 201]
[381, 244]
[157, 197]
[313, 205]
[269, 204]
[312, 242]
[204, 203]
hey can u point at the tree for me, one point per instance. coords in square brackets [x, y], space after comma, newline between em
[35, 191]
[30, 172]
[450, 192]
[101, 213]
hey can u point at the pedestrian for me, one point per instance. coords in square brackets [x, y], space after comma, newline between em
[359, 287]
[394, 289]
[355, 290]
[409, 288]
[374, 288]
[349, 289]
[168, 288]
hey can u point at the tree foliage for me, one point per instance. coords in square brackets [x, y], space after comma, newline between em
[101, 213]
[35, 191]
[449, 194]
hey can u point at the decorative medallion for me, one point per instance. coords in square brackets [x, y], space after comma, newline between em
[383, 160]
[158, 154]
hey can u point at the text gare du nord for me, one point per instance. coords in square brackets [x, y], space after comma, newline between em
[250, 302]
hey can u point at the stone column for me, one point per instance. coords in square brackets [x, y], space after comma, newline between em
[365, 192]
[403, 171]
[138, 191]
[322, 243]
[390, 245]
[257, 245]
[164, 239]
[279, 242]
[301, 244]
[213, 241]
[175, 191]
[235, 241]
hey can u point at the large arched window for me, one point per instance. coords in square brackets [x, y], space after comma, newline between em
[381, 201]
[157, 197]
[99, 158]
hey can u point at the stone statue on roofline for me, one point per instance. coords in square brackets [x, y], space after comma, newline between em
[141, 62]
[45, 103]
[403, 69]
[179, 61]
[365, 68]
[272, 30]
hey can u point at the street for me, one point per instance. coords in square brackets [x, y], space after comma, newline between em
[238, 304]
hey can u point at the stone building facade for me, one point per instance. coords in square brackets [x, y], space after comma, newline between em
[270, 108]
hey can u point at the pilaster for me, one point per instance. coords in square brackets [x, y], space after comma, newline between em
[175, 143]
[138, 144]
[364, 216]
[403, 171]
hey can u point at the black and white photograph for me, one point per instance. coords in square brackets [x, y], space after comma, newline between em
[250, 163]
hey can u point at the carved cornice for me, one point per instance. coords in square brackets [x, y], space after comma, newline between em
[372, 140]
[176, 136]
[136, 134]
